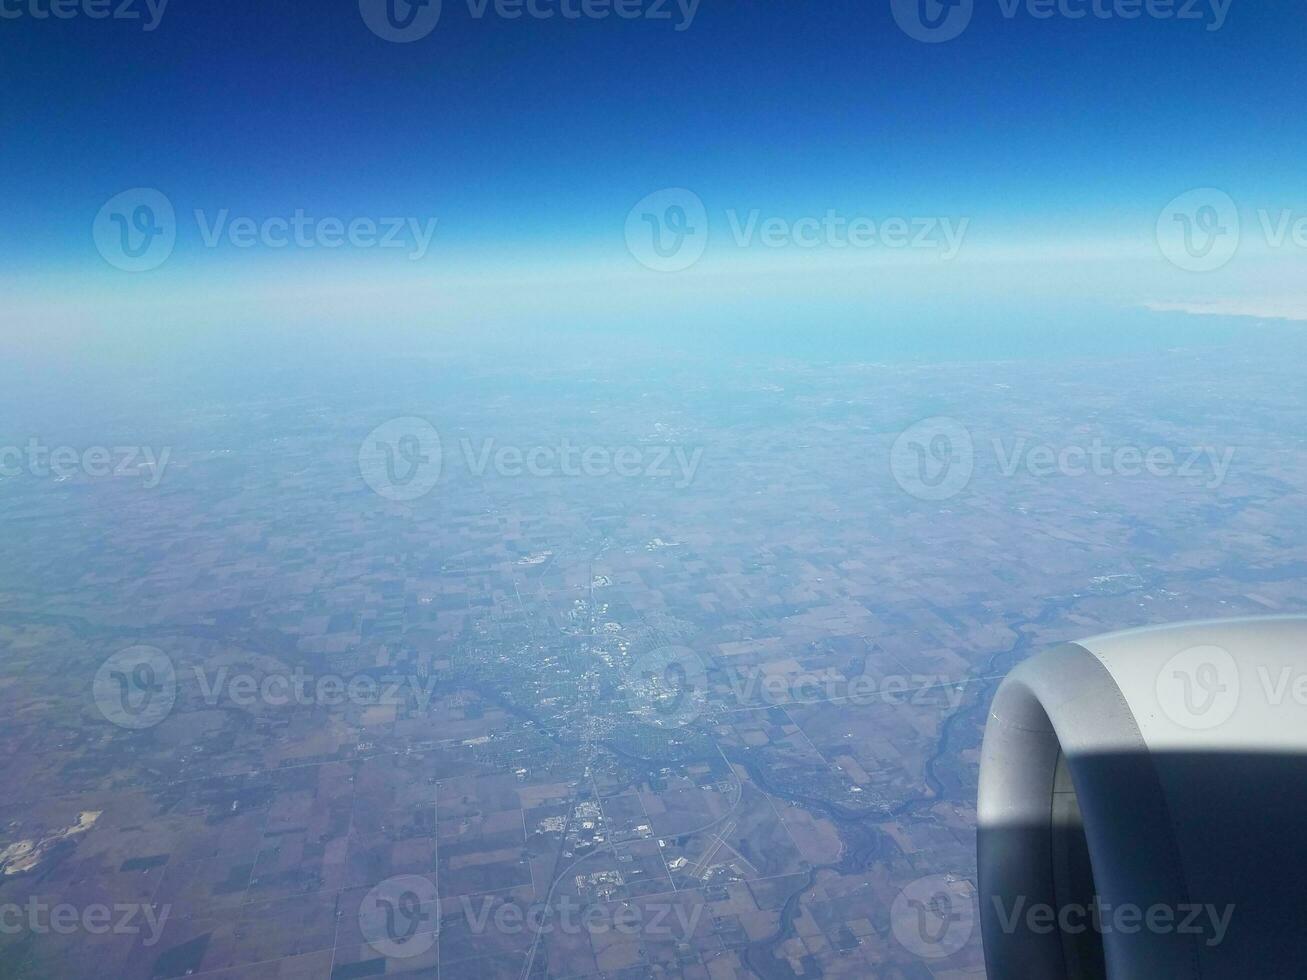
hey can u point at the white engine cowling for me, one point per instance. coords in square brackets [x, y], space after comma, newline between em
[1143, 806]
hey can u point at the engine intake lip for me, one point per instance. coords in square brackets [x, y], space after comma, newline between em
[1095, 792]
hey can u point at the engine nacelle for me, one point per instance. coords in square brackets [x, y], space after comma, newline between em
[1143, 806]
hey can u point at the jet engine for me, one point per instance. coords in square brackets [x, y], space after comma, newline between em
[1143, 806]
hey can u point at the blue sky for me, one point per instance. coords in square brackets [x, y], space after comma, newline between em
[528, 141]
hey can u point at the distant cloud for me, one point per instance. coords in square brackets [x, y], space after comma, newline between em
[1261, 309]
